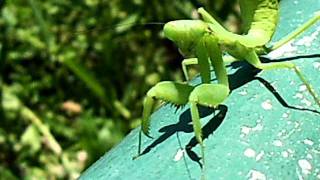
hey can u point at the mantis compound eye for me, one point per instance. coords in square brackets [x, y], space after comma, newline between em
[185, 33]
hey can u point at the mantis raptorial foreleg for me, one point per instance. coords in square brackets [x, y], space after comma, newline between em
[176, 93]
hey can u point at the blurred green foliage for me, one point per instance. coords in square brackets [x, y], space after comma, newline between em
[74, 74]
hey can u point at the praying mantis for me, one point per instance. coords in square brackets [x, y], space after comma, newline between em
[207, 40]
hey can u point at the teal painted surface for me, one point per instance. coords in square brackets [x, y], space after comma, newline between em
[266, 129]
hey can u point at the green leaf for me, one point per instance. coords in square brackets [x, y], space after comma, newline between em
[31, 138]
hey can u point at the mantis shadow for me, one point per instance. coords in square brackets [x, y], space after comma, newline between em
[242, 76]
[207, 129]
[183, 125]
[247, 73]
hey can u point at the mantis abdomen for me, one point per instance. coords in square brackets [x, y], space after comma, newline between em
[261, 19]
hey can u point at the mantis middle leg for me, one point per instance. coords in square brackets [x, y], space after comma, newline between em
[297, 32]
[207, 94]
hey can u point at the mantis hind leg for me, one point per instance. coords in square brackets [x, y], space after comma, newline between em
[297, 32]
[253, 59]
[173, 92]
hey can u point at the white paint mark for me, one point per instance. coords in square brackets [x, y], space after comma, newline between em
[267, 105]
[302, 88]
[292, 82]
[300, 177]
[306, 41]
[298, 96]
[296, 125]
[259, 156]
[249, 153]
[245, 130]
[258, 127]
[285, 154]
[277, 143]
[256, 175]
[287, 49]
[285, 115]
[243, 93]
[316, 65]
[309, 156]
[306, 102]
[305, 166]
[308, 142]
[290, 151]
[179, 155]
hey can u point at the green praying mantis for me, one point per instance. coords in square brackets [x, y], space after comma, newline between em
[206, 39]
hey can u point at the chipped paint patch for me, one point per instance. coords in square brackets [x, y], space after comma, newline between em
[249, 153]
[308, 142]
[316, 65]
[305, 166]
[306, 102]
[245, 130]
[290, 151]
[285, 154]
[266, 105]
[298, 96]
[258, 127]
[243, 92]
[285, 115]
[307, 40]
[277, 143]
[256, 175]
[302, 88]
[309, 156]
[259, 156]
[296, 125]
[287, 49]
[179, 155]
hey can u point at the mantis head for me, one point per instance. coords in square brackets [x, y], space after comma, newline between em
[185, 33]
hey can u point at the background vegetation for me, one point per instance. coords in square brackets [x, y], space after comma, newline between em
[74, 74]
